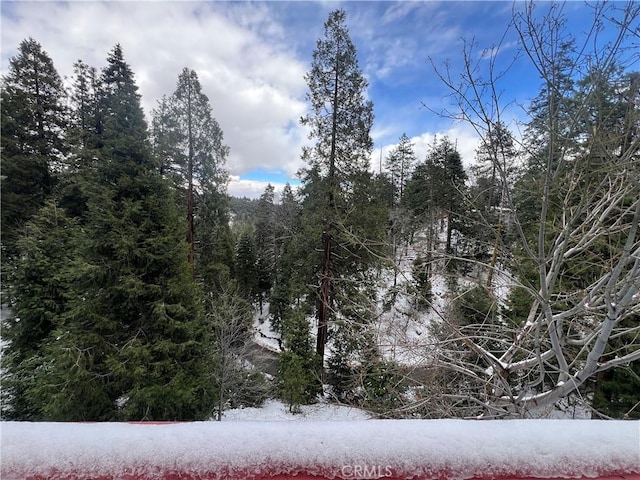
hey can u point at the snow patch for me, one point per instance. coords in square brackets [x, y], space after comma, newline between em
[274, 410]
[264, 335]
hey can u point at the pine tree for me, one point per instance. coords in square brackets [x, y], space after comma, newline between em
[246, 263]
[165, 141]
[84, 135]
[399, 163]
[266, 243]
[551, 136]
[493, 175]
[246, 273]
[419, 194]
[85, 113]
[41, 289]
[552, 112]
[189, 143]
[287, 228]
[453, 193]
[298, 383]
[215, 247]
[495, 165]
[439, 183]
[287, 215]
[340, 121]
[33, 143]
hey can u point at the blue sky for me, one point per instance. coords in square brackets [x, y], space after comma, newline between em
[251, 58]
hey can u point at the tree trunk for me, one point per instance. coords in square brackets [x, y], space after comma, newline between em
[494, 256]
[325, 282]
[325, 289]
[449, 230]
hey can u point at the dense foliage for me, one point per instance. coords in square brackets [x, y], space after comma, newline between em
[108, 322]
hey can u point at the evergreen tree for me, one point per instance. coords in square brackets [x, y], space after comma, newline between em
[298, 382]
[41, 289]
[165, 141]
[266, 243]
[84, 135]
[287, 228]
[493, 171]
[552, 111]
[551, 135]
[33, 124]
[85, 108]
[189, 143]
[246, 263]
[453, 192]
[287, 213]
[420, 196]
[495, 159]
[400, 163]
[215, 246]
[133, 343]
[340, 121]
[439, 183]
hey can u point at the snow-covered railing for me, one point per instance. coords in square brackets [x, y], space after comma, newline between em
[417, 449]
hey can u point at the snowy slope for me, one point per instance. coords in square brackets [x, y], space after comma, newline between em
[263, 333]
[402, 331]
[445, 449]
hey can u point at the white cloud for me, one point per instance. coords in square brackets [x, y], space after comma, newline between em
[466, 141]
[400, 10]
[463, 136]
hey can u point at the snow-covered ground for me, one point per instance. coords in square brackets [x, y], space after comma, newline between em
[263, 333]
[419, 449]
[403, 333]
[275, 410]
[402, 330]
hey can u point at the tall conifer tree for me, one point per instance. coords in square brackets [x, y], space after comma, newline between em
[400, 164]
[133, 343]
[189, 142]
[338, 193]
[266, 243]
[33, 143]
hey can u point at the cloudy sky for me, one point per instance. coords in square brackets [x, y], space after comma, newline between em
[251, 58]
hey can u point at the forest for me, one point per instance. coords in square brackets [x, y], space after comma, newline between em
[428, 289]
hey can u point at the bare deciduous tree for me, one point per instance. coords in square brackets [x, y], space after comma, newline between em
[238, 380]
[587, 214]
